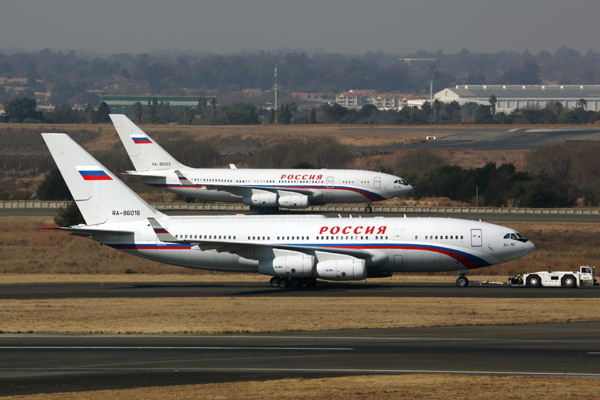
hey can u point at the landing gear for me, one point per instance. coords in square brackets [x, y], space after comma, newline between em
[462, 281]
[368, 209]
[284, 283]
[310, 282]
[297, 283]
[294, 283]
[264, 210]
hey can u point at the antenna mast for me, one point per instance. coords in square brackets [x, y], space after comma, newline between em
[275, 87]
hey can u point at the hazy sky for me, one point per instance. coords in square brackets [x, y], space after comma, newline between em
[345, 26]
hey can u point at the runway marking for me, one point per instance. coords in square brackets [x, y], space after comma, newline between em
[593, 352]
[324, 370]
[203, 360]
[172, 348]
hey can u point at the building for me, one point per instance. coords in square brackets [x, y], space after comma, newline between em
[383, 101]
[124, 104]
[511, 97]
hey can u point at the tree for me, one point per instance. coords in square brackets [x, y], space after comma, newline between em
[201, 105]
[137, 112]
[493, 100]
[581, 103]
[22, 108]
[53, 187]
[102, 113]
[426, 107]
[213, 106]
[437, 106]
[187, 116]
[558, 107]
[313, 116]
[69, 216]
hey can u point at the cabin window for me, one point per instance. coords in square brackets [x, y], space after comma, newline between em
[446, 237]
[461, 236]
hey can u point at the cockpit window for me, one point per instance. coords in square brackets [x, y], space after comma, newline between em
[515, 236]
[401, 181]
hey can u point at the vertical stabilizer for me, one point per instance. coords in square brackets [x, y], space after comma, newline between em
[100, 196]
[145, 153]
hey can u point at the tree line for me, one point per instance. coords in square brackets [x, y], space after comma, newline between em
[69, 77]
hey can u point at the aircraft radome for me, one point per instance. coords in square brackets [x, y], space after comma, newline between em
[261, 189]
[294, 250]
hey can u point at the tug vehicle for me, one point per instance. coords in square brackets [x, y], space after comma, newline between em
[566, 279]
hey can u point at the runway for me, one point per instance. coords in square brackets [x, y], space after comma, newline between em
[39, 291]
[487, 217]
[57, 363]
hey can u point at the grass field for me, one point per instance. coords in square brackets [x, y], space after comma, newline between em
[247, 315]
[407, 387]
[27, 250]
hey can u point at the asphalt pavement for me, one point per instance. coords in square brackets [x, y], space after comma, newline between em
[39, 291]
[58, 363]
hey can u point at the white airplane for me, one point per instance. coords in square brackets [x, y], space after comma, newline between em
[294, 250]
[261, 189]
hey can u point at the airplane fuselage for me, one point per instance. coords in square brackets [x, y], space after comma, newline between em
[238, 244]
[319, 186]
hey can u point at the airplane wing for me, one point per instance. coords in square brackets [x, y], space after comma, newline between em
[237, 189]
[256, 250]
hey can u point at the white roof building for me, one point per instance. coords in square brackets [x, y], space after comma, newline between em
[511, 97]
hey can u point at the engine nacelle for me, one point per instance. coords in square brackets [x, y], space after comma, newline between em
[300, 266]
[342, 270]
[261, 200]
[293, 201]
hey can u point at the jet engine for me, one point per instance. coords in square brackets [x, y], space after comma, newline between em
[300, 266]
[261, 200]
[293, 201]
[351, 269]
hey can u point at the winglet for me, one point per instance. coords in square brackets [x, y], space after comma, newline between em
[161, 232]
[232, 166]
[182, 179]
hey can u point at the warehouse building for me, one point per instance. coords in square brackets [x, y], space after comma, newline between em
[511, 97]
[124, 104]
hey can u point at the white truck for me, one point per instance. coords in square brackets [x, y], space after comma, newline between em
[566, 279]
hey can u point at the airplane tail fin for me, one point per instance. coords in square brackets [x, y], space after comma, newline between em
[145, 153]
[100, 196]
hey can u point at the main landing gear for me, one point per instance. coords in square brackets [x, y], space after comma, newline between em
[368, 209]
[462, 281]
[294, 283]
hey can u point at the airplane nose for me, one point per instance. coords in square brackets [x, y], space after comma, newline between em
[408, 188]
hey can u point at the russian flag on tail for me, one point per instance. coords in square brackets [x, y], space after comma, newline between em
[141, 140]
[93, 173]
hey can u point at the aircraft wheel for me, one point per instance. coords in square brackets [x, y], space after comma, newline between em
[297, 283]
[569, 281]
[284, 283]
[274, 281]
[462, 281]
[368, 209]
[534, 281]
[310, 282]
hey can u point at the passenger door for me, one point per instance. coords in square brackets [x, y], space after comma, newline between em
[377, 183]
[476, 239]
[330, 181]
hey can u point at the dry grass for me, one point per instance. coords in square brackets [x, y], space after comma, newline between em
[243, 315]
[27, 250]
[408, 387]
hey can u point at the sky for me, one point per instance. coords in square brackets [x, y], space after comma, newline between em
[336, 26]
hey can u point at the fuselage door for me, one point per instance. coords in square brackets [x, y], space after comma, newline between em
[377, 182]
[330, 181]
[476, 239]
[399, 235]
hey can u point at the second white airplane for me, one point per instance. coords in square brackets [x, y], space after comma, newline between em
[261, 189]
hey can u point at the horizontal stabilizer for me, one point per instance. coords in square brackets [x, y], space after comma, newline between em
[85, 231]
